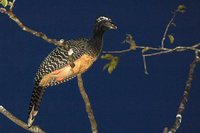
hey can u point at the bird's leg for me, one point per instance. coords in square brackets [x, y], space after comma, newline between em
[31, 117]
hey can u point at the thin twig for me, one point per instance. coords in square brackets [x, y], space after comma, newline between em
[185, 97]
[87, 104]
[13, 17]
[129, 49]
[117, 52]
[159, 50]
[167, 28]
[151, 48]
[145, 64]
[34, 129]
[159, 53]
[11, 4]
[196, 45]
[176, 49]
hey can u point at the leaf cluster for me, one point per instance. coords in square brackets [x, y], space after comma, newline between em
[113, 62]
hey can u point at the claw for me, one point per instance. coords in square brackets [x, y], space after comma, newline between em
[31, 117]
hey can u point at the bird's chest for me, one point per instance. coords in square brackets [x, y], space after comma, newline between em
[80, 66]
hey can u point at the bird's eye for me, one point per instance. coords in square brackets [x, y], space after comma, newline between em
[107, 23]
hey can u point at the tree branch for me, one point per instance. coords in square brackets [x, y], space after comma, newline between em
[159, 50]
[151, 52]
[167, 28]
[13, 17]
[34, 129]
[185, 97]
[117, 52]
[87, 104]
[154, 51]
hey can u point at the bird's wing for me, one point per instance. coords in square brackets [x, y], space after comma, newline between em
[59, 58]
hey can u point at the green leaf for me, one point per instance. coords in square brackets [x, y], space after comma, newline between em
[145, 49]
[4, 3]
[181, 8]
[171, 38]
[113, 64]
[129, 39]
[107, 56]
[110, 69]
[133, 46]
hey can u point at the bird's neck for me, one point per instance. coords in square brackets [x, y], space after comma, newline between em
[97, 39]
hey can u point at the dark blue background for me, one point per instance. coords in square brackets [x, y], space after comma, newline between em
[128, 101]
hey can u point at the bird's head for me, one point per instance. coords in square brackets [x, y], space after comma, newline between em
[105, 23]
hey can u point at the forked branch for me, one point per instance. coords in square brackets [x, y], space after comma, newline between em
[167, 28]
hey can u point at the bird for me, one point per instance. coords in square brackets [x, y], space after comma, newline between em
[65, 62]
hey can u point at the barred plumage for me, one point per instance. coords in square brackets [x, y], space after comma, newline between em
[59, 57]
[57, 68]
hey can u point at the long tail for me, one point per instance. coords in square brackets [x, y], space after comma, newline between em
[34, 105]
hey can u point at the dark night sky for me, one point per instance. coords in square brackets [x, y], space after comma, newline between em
[128, 101]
